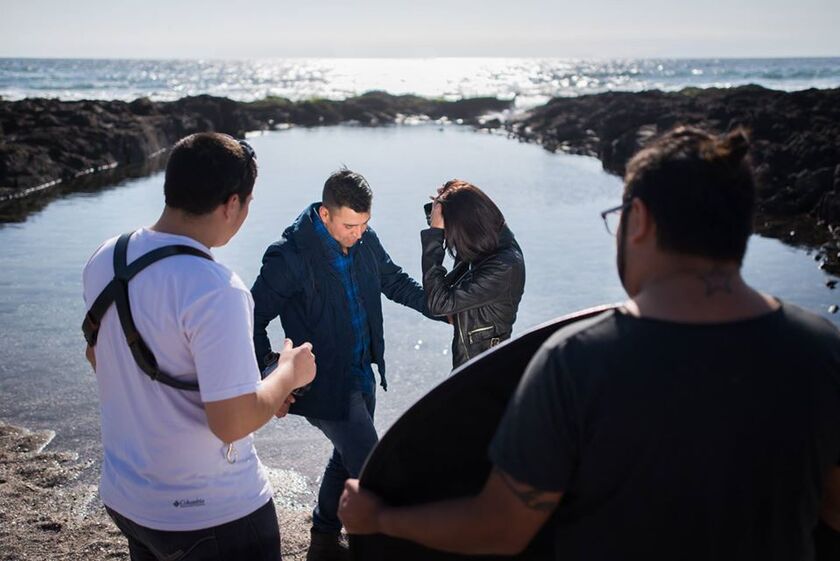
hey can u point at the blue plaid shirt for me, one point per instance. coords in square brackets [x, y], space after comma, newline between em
[342, 264]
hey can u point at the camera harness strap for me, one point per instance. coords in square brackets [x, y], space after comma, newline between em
[117, 293]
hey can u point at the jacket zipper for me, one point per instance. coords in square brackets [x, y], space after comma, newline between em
[458, 320]
[461, 334]
[479, 330]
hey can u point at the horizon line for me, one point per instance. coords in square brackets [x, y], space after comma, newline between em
[417, 57]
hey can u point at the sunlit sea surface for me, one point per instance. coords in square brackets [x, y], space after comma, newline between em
[530, 81]
[551, 203]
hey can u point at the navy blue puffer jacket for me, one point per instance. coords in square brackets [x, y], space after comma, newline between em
[297, 284]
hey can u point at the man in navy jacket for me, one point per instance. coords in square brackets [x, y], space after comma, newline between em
[324, 278]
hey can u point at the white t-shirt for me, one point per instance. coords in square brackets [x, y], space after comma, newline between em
[163, 468]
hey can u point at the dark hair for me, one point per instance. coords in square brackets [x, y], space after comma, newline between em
[700, 191]
[346, 188]
[472, 221]
[205, 169]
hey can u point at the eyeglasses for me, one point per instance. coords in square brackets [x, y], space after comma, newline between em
[250, 155]
[248, 149]
[612, 217]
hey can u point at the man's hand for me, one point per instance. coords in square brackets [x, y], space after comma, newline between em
[501, 520]
[90, 355]
[237, 417]
[284, 409]
[359, 509]
[299, 361]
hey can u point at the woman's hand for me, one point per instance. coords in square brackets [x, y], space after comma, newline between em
[437, 215]
[436, 220]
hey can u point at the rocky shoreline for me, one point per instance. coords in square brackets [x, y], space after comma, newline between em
[49, 147]
[46, 145]
[47, 512]
[795, 138]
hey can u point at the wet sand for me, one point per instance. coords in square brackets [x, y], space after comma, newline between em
[47, 512]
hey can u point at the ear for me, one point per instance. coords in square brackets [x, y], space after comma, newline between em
[324, 213]
[641, 226]
[231, 206]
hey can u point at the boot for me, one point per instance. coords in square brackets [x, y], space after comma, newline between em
[325, 546]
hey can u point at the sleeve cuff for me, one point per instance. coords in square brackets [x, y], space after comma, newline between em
[229, 393]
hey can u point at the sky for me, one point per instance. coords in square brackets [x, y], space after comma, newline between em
[415, 28]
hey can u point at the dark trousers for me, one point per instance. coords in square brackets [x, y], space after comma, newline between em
[352, 440]
[256, 536]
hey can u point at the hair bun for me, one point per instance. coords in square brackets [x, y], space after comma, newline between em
[734, 146]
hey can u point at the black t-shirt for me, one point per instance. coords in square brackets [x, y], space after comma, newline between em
[680, 441]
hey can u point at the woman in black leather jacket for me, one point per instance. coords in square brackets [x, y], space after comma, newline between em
[481, 294]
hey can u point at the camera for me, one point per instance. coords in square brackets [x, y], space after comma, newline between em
[427, 208]
[270, 361]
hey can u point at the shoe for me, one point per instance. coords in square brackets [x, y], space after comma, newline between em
[325, 546]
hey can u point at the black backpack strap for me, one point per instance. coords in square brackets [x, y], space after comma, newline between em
[90, 326]
[93, 317]
[117, 292]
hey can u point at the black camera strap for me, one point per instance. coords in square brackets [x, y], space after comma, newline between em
[116, 292]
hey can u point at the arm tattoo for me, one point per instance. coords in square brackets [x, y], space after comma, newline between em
[717, 280]
[530, 497]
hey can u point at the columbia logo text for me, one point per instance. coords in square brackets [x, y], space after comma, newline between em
[186, 503]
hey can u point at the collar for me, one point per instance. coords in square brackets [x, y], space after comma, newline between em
[506, 237]
[329, 243]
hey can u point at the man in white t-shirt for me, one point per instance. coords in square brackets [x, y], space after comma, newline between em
[180, 475]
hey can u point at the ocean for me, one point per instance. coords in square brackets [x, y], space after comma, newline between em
[530, 81]
[551, 201]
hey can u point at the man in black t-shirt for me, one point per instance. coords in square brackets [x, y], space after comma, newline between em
[699, 421]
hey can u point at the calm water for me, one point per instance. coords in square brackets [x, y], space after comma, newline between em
[530, 80]
[551, 202]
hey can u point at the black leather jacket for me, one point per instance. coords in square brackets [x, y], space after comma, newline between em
[482, 299]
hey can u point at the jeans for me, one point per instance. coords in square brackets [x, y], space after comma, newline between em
[255, 536]
[352, 440]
